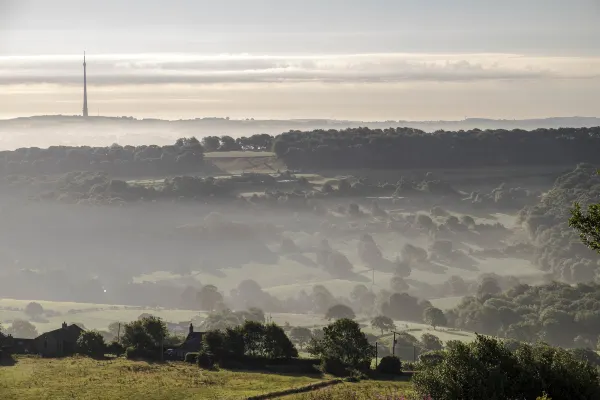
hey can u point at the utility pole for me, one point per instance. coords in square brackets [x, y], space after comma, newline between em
[394, 344]
[162, 347]
[376, 353]
[119, 333]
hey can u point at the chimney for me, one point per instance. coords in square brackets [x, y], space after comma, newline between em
[191, 328]
[64, 325]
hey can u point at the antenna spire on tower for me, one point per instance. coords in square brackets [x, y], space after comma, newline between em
[85, 106]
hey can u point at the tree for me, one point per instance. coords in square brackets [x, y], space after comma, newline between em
[209, 297]
[146, 333]
[91, 343]
[211, 143]
[300, 335]
[34, 310]
[588, 225]
[276, 344]
[344, 341]
[339, 311]
[383, 323]
[434, 317]
[488, 285]
[431, 342]
[487, 369]
[22, 329]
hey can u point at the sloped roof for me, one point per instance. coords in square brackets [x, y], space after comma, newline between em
[70, 333]
[193, 341]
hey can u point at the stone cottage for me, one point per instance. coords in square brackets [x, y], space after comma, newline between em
[192, 344]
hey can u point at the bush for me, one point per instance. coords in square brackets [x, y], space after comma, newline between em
[191, 358]
[334, 367]
[390, 365]
[204, 360]
[135, 353]
[91, 343]
[115, 348]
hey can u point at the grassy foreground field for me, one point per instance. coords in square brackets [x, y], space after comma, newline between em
[87, 379]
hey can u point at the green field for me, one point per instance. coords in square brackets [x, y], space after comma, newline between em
[239, 154]
[87, 379]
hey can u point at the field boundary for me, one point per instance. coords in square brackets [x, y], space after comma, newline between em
[301, 389]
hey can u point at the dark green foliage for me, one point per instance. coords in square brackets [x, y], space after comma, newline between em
[91, 343]
[115, 348]
[135, 353]
[486, 369]
[588, 225]
[396, 148]
[191, 358]
[334, 366]
[276, 343]
[205, 360]
[390, 365]
[145, 335]
[343, 340]
[430, 342]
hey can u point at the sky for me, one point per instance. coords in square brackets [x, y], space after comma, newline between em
[339, 59]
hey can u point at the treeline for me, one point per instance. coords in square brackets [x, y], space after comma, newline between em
[184, 156]
[556, 313]
[412, 148]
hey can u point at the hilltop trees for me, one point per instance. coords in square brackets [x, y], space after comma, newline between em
[339, 311]
[383, 323]
[434, 317]
[34, 310]
[411, 148]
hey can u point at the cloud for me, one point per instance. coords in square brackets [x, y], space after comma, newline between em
[141, 69]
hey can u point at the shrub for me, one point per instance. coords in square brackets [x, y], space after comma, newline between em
[191, 358]
[204, 360]
[135, 353]
[115, 348]
[334, 367]
[390, 365]
[91, 343]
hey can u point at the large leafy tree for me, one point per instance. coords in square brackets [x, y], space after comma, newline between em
[300, 335]
[587, 224]
[434, 317]
[344, 341]
[383, 323]
[146, 333]
[339, 311]
[22, 329]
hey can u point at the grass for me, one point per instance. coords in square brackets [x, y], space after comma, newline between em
[239, 154]
[87, 379]
[363, 390]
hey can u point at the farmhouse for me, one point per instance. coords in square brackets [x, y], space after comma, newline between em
[59, 342]
[192, 344]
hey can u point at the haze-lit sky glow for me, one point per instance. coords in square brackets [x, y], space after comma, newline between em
[350, 59]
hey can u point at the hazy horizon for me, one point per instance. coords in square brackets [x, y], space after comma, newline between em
[351, 60]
